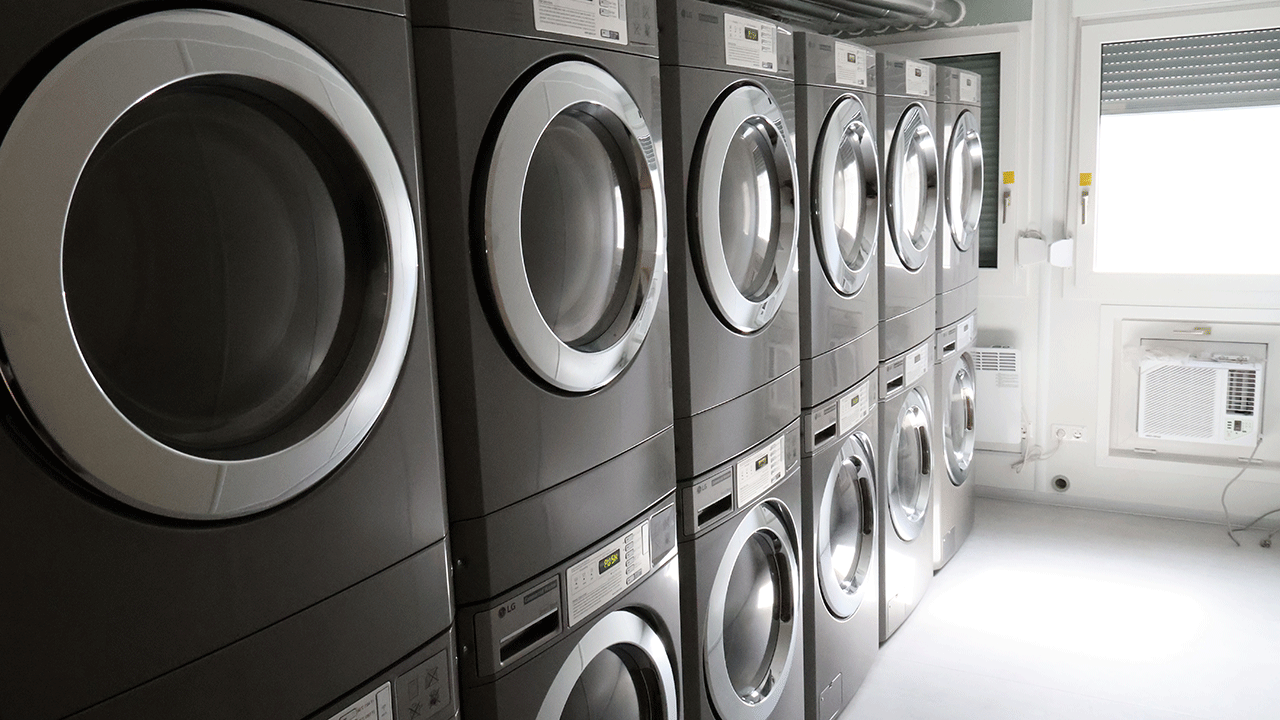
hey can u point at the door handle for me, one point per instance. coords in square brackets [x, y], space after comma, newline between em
[969, 412]
[1084, 207]
[926, 452]
[1008, 200]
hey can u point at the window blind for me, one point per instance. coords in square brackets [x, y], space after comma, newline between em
[1196, 72]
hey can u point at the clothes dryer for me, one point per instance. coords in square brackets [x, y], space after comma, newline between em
[597, 637]
[906, 485]
[220, 454]
[840, 562]
[541, 136]
[729, 118]
[740, 586]
[841, 208]
[908, 253]
[959, 124]
[954, 437]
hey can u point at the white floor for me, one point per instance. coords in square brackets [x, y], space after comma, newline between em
[1059, 613]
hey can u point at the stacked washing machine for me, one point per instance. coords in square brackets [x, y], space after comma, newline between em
[220, 456]
[959, 122]
[541, 133]
[732, 189]
[841, 218]
[908, 280]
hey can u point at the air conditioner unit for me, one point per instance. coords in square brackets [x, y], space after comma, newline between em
[1214, 400]
[998, 399]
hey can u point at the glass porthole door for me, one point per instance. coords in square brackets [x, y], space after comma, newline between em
[210, 270]
[743, 198]
[846, 528]
[846, 196]
[912, 180]
[575, 226]
[910, 468]
[964, 181]
[957, 425]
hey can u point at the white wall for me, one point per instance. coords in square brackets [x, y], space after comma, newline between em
[1055, 316]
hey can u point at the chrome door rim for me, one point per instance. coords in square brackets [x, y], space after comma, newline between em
[762, 518]
[914, 417]
[967, 143]
[840, 601]
[39, 169]
[960, 458]
[736, 107]
[848, 116]
[912, 128]
[619, 627]
[552, 91]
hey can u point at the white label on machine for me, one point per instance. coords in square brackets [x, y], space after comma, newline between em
[968, 88]
[851, 65]
[919, 79]
[607, 572]
[759, 471]
[374, 706]
[588, 19]
[854, 407]
[750, 43]
[965, 332]
[917, 363]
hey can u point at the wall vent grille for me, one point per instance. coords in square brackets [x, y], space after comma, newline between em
[1179, 401]
[1242, 391]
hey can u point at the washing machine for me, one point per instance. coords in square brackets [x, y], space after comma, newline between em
[740, 585]
[908, 253]
[840, 562]
[596, 637]
[959, 124]
[907, 468]
[836, 138]
[545, 208]
[954, 436]
[220, 449]
[732, 191]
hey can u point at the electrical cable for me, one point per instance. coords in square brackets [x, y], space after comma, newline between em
[1037, 454]
[1226, 515]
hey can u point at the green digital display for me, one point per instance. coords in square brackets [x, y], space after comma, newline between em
[752, 34]
[852, 57]
[856, 399]
[610, 560]
[762, 462]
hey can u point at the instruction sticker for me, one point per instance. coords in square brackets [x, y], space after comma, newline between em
[919, 79]
[607, 572]
[851, 64]
[759, 472]
[750, 43]
[374, 706]
[917, 363]
[968, 88]
[855, 406]
[587, 19]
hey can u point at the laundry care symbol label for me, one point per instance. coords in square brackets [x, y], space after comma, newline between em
[851, 65]
[759, 471]
[587, 19]
[750, 43]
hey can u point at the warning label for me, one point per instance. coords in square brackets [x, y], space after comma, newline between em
[750, 43]
[851, 65]
[587, 19]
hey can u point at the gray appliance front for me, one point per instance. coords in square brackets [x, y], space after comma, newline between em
[959, 127]
[954, 436]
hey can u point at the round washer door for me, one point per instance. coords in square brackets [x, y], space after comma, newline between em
[619, 670]
[912, 179]
[575, 226]
[964, 181]
[846, 200]
[210, 269]
[743, 198]
[957, 424]
[846, 527]
[910, 454]
[752, 627]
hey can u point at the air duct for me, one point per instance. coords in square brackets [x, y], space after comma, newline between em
[853, 17]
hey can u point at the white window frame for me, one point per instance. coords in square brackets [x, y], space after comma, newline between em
[1146, 288]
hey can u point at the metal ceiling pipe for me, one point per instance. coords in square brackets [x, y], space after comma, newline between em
[813, 15]
[947, 12]
[884, 13]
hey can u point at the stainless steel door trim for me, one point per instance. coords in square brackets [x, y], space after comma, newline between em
[961, 390]
[42, 157]
[762, 519]
[565, 86]
[964, 149]
[743, 104]
[847, 129]
[634, 635]
[912, 236]
[913, 421]
[855, 466]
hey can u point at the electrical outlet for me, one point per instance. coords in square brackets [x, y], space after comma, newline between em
[1026, 431]
[1069, 433]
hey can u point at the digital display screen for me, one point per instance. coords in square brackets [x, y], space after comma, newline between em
[852, 57]
[610, 560]
[762, 462]
[752, 34]
[856, 399]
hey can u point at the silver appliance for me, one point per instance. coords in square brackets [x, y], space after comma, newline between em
[907, 468]
[954, 435]
[908, 253]
[740, 586]
[959, 124]
[839, 559]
